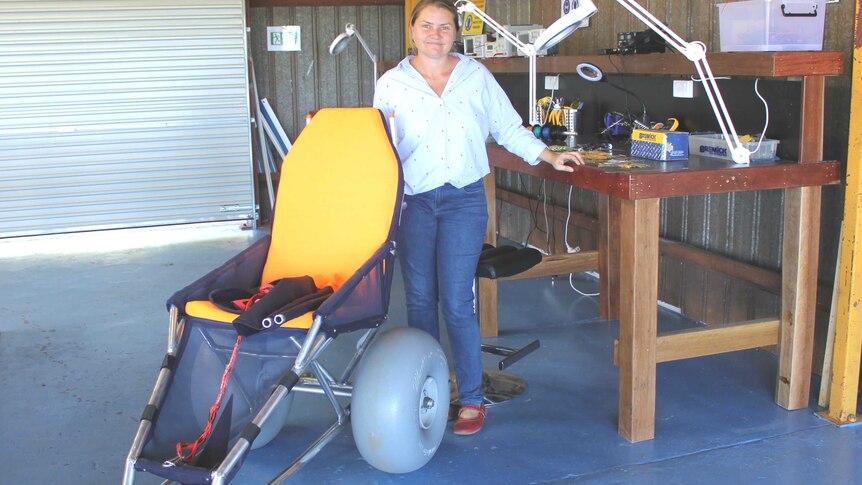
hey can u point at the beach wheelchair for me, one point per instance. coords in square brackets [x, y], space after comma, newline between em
[243, 339]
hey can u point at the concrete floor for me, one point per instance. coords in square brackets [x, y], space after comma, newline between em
[82, 335]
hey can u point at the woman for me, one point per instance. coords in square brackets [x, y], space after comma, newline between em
[445, 105]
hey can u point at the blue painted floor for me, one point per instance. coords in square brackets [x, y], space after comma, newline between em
[82, 337]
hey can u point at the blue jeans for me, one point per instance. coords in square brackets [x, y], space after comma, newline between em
[439, 241]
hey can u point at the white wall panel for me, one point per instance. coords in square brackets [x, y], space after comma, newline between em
[122, 113]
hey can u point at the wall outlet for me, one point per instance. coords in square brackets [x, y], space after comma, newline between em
[552, 82]
[683, 89]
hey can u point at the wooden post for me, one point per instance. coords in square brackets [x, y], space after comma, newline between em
[799, 285]
[848, 321]
[408, 11]
[487, 288]
[609, 257]
[799, 259]
[638, 250]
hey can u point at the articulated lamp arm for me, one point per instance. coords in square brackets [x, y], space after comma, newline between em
[351, 27]
[466, 6]
[696, 53]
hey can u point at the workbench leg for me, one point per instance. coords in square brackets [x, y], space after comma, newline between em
[798, 295]
[609, 257]
[487, 288]
[639, 253]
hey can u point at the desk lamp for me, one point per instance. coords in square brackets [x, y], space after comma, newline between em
[343, 39]
[693, 51]
[696, 53]
[553, 35]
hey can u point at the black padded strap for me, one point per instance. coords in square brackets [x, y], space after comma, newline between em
[168, 362]
[289, 380]
[150, 413]
[250, 432]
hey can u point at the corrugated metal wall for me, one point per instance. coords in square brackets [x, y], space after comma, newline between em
[122, 113]
[296, 83]
[745, 226]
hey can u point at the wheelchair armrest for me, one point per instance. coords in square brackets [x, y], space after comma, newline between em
[354, 304]
[241, 271]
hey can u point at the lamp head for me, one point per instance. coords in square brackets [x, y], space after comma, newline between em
[342, 40]
[590, 72]
[565, 25]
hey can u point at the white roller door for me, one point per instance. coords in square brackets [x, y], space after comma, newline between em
[122, 113]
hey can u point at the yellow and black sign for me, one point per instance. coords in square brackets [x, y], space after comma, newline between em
[471, 23]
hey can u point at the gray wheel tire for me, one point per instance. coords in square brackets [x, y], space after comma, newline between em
[400, 400]
[272, 426]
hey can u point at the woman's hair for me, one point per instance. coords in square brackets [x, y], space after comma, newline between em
[444, 4]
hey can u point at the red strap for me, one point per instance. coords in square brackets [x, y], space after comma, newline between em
[244, 303]
[225, 378]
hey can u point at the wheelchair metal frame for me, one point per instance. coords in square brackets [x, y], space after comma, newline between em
[322, 382]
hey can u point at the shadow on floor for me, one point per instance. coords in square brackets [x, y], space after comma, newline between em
[82, 337]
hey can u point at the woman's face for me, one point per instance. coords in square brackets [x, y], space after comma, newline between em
[434, 32]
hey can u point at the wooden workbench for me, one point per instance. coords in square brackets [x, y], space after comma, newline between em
[628, 255]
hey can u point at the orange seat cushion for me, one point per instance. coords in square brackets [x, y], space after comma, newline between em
[336, 201]
[207, 310]
[337, 195]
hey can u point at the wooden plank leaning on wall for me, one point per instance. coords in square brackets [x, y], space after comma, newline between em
[848, 324]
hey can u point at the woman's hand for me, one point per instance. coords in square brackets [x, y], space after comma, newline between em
[559, 160]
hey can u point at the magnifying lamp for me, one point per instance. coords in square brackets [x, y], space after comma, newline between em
[583, 10]
[696, 53]
[343, 39]
[553, 35]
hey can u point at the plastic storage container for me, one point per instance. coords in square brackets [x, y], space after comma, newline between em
[715, 146]
[771, 25]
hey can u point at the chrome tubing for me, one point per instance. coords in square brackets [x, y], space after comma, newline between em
[327, 390]
[361, 347]
[311, 385]
[321, 373]
[310, 341]
[144, 427]
[312, 450]
[242, 445]
[174, 329]
[135, 451]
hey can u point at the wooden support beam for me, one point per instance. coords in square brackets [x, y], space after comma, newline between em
[559, 264]
[847, 353]
[698, 342]
[764, 278]
[559, 213]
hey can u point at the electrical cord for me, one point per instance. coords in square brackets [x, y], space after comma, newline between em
[570, 249]
[762, 100]
[766, 109]
[626, 91]
[572, 285]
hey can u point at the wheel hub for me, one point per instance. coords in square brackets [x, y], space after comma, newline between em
[428, 403]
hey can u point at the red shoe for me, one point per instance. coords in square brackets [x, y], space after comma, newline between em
[467, 426]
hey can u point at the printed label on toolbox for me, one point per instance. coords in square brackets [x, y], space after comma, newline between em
[660, 145]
